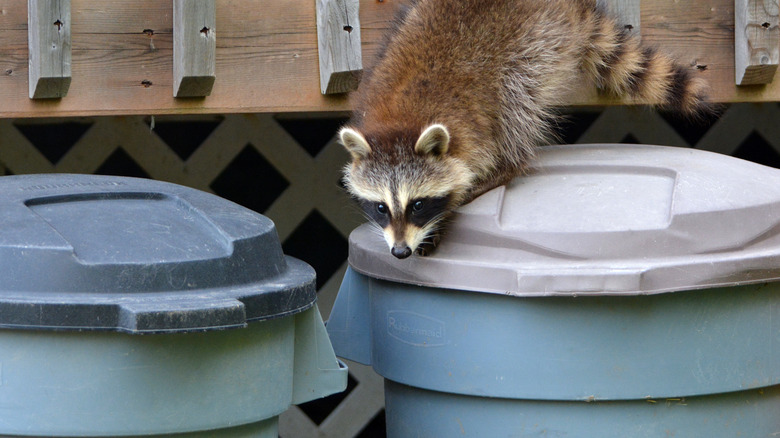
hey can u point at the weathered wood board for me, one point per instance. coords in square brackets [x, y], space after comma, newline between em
[338, 42]
[266, 56]
[628, 13]
[756, 41]
[48, 36]
[194, 47]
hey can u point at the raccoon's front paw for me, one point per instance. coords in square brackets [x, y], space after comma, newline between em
[424, 250]
[428, 246]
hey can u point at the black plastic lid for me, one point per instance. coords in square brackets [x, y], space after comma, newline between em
[86, 252]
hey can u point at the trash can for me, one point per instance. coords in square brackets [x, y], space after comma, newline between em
[133, 307]
[615, 291]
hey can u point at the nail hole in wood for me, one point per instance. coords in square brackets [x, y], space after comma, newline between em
[348, 28]
[146, 83]
[701, 67]
[628, 27]
[205, 31]
[59, 25]
[765, 25]
[149, 32]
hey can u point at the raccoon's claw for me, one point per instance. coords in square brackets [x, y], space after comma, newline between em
[428, 246]
[423, 251]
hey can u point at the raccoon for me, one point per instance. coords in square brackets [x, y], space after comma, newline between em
[463, 91]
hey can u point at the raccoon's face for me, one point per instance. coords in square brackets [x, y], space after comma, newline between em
[406, 184]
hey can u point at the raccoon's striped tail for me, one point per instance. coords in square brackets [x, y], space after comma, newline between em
[624, 68]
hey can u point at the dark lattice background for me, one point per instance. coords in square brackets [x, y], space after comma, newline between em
[288, 168]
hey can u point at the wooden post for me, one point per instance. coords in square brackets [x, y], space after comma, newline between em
[756, 41]
[194, 47]
[338, 38]
[627, 13]
[48, 40]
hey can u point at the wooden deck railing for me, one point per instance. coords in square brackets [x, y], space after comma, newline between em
[266, 56]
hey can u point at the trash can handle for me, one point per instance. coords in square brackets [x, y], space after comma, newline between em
[349, 324]
[317, 373]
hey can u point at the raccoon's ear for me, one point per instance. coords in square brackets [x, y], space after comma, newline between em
[433, 141]
[355, 143]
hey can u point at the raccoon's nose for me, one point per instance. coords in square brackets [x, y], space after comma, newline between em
[401, 251]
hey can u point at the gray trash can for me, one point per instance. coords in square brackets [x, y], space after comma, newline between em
[134, 307]
[616, 291]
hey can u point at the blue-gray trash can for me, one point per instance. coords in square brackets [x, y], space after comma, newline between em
[133, 307]
[615, 291]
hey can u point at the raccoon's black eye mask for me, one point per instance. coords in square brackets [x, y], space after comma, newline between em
[422, 211]
[378, 212]
[419, 212]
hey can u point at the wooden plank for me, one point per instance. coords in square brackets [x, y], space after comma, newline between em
[628, 13]
[338, 42]
[267, 56]
[756, 41]
[49, 46]
[194, 47]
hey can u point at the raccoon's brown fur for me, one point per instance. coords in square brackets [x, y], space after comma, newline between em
[476, 82]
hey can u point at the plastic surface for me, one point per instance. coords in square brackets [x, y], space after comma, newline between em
[412, 412]
[85, 252]
[561, 348]
[604, 220]
[705, 363]
[226, 383]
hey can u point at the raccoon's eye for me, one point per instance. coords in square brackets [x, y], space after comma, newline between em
[417, 206]
[381, 208]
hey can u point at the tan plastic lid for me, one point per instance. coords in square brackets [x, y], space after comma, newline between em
[603, 220]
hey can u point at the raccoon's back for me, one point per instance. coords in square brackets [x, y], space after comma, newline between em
[467, 61]
[444, 61]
